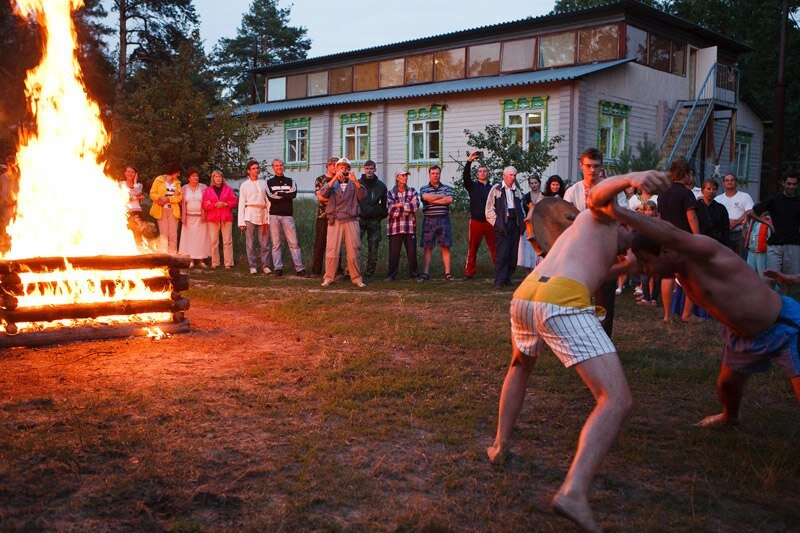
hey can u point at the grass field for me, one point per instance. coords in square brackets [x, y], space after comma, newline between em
[293, 407]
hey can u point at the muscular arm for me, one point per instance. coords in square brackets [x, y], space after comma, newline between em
[607, 190]
[691, 216]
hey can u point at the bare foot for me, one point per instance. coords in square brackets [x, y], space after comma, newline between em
[497, 453]
[578, 511]
[716, 421]
[667, 318]
[691, 319]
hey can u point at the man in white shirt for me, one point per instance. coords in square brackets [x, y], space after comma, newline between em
[737, 203]
[254, 218]
[592, 168]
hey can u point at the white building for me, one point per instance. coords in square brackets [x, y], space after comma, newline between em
[605, 76]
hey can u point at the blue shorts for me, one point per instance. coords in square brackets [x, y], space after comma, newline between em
[778, 342]
[436, 231]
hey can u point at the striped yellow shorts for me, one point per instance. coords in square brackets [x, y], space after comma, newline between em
[557, 311]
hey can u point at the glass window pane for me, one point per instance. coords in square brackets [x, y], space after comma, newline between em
[659, 52]
[433, 145]
[558, 49]
[417, 146]
[296, 86]
[276, 89]
[518, 55]
[514, 119]
[304, 150]
[599, 44]
[363, 151]
[350, 147]
[417, 126]
[433, 125]
[419, 69]
[449, 64]
[636, 43]
[534, 134]
[341, 80]
[318, 83]
[679, 58]
[517, 135]
[534, 118]
[365, 77]
[484, 60]
[391, 72]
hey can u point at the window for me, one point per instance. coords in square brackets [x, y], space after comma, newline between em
[598, 44]
[296, 86]
[449, 64]
[518, 55]
[276, 89]
[355, 136]
[678, 58]
[484, 60]
[636, 41]
[365, 77]
[527, 119]
[612, 136]
[555, 50]
[341, 80]
[295, 136]
[392, 72]
[419, 69]
[424, 135]
[741, 162]
[318, 83]
[659, 52]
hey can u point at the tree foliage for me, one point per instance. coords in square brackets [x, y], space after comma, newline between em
[646, 159]
[173, 114]
[263, 38]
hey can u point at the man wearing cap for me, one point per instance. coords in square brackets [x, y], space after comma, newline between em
[372, 211]
[343, 192]
[321, 229]
[505, 213]
[401, 226]
[479, 228]
[436, 229]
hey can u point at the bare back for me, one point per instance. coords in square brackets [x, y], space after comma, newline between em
[584, 252]
[730, 291]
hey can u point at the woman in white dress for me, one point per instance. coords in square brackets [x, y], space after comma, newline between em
[194, 230]
[526, 255]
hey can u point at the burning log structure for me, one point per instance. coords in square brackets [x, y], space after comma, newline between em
[127, 295]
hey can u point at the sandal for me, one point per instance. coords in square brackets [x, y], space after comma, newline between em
[449, 277]
[423, 277]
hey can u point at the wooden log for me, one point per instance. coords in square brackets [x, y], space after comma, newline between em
[92, 310]
[101, 332]
[99, 262]
[9, 302]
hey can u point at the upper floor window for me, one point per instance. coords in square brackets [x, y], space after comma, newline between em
[318, 83]
[598, 44]
[419, 69]
[518, 55]
[391, 72]
[276, 89]
[526, 118]
[341, 80]
[365, 77]
[296, 141]
[484, 60]
[741, 161]
[355, 136]
[612, 135]
[556, 49]
[296, 86]
[424, 135]
[450, 64]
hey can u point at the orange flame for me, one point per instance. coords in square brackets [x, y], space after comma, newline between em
[66, 205]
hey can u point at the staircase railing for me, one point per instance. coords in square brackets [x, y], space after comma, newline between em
[723, 88]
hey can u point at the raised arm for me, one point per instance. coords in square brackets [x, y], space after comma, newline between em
[607, 190]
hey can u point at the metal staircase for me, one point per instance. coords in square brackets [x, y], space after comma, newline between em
[720, 91]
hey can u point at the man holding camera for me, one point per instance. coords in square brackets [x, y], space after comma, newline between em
[343, 192]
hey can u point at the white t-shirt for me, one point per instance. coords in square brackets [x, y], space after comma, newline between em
[636, 203]
[576, 195]
[737, 205]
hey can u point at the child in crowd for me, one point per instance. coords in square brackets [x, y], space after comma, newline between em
[756, 241]
[651, 286]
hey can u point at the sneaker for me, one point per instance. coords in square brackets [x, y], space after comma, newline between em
[302, 273]
[278, 272]
[266, 270]
[638, 291]
[618, 291]
[423, 277]
[468, 277]
[253, 271]
[327, 283]
[360, 284]
[449, 277]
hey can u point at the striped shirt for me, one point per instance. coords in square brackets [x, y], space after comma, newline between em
[402, 211]
[435, 210]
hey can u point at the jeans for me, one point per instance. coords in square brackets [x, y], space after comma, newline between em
[284, 224]
[263, 242]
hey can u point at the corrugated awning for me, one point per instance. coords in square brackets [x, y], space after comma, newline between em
[430, 89]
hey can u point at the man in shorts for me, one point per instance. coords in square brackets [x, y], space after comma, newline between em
[553, 306]
[760, 325]
[436, 230]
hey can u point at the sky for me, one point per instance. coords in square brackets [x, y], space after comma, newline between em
[341, 25]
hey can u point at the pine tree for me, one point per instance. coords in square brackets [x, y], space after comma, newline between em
[263, 38]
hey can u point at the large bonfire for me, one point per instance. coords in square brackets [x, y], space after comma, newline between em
[66, 206]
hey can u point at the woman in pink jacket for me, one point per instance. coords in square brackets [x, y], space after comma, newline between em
[218, 201]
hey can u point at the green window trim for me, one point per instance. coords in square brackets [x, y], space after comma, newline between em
[424, 115]
[356, 120]
[615, 111]
[523, 105]
[297, 124]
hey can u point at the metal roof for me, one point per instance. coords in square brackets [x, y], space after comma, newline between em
[622, 7]
[429, 89]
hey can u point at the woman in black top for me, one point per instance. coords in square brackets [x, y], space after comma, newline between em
[712, 215]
